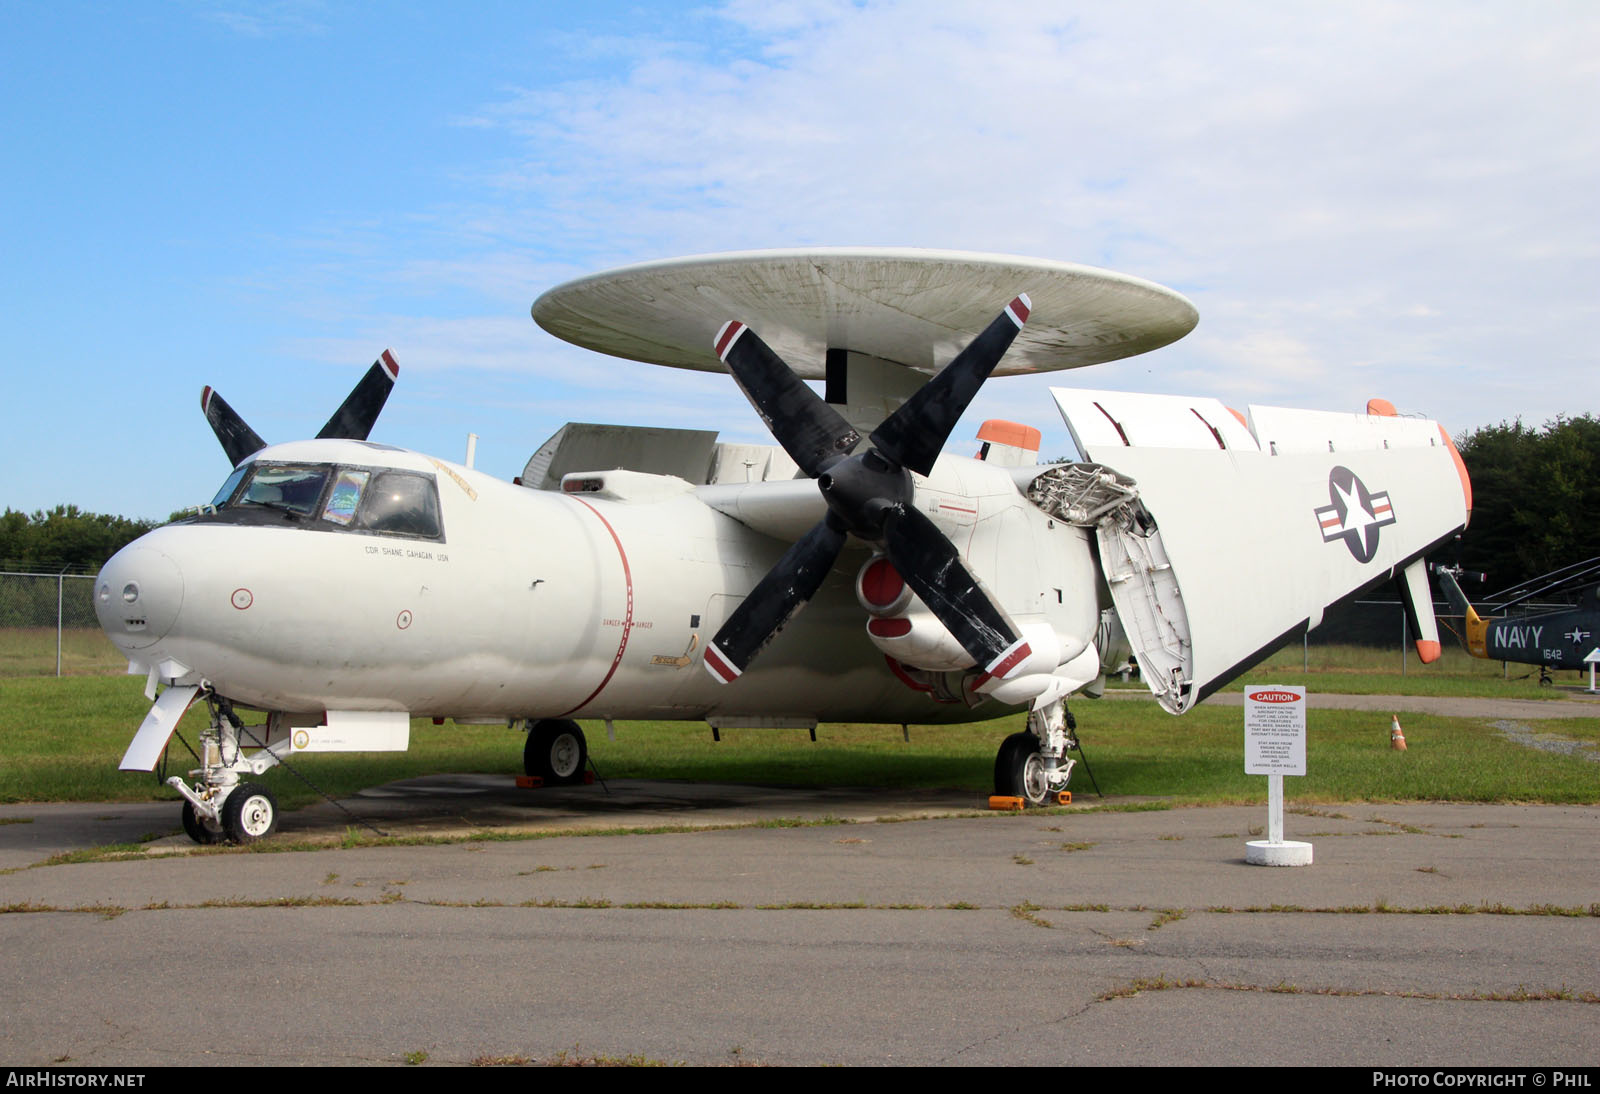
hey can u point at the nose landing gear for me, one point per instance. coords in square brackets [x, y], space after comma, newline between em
[1033, 765]
[218, 806]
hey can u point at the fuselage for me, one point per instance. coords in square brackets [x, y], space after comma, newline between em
[1557, 639]
[523, 603]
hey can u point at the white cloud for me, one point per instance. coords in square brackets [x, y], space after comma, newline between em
[1365, 199]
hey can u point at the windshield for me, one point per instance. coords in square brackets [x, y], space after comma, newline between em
[230, 486]
[328, 498]
[295, 489]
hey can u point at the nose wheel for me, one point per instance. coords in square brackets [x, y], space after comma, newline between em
[200, 830]
[249, 814]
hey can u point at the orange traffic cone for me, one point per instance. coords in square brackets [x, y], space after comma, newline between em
[1397, 739]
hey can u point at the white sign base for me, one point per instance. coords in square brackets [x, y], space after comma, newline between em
[1262, 852]
[1275, 850]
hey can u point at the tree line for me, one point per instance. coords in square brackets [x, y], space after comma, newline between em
[1535, 499]
[64, 539]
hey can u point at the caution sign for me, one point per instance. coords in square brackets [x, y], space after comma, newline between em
[1274, 730]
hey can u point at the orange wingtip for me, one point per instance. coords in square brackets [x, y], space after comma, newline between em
[1381, 408]
[1461, 469]
[1428, 651]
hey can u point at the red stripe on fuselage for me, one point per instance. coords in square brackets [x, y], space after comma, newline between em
[627, 617]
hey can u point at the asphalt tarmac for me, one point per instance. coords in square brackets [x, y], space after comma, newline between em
[662, 922]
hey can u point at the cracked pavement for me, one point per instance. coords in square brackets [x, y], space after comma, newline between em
[1423, 935]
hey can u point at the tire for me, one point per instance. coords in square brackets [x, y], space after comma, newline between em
[557, 752]
[1018, 771]
[249, 814]
[197, 829]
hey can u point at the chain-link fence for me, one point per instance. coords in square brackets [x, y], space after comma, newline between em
[1350, 635]
[48, 626]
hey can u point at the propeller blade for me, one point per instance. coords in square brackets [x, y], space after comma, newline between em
[238, 440]
[933, 568]
[774, 601]
[353, 420]
[813, 433]
[914, 434]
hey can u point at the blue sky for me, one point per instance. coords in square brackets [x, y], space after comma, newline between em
[1361, 198]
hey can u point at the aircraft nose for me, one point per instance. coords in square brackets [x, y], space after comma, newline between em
[137, 596]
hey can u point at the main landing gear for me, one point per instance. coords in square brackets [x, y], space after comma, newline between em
[1033, 765]
[556, 751]
[219, 806]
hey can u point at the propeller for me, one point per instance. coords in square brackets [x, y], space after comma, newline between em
[351, 422]
[870, 495]
[238, 439]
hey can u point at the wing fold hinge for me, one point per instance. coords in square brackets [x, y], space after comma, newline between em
[1137, 571]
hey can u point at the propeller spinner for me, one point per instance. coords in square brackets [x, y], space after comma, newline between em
[870, 495]
[353, 420]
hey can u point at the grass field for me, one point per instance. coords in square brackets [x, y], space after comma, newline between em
[60, 740]
[31, 651]
[1360, 670]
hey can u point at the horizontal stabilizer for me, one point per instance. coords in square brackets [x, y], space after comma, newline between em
[580, 446]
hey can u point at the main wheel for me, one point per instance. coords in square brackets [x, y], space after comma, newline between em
[249, 814]
[197, 829]
[556, 751]
[1018, 771]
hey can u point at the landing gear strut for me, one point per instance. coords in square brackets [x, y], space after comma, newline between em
[217, 805]
[1033, 765]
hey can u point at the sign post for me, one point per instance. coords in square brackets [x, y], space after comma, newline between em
[1275, 746]
[1590, 660]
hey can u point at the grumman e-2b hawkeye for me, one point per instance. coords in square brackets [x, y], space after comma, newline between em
[343, 587]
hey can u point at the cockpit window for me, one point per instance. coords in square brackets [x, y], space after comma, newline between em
[353, 499]
[345, 496]
[295, 489]
[230, 486]
[401, 503]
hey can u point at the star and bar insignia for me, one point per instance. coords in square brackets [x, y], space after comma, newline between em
[1355, 514]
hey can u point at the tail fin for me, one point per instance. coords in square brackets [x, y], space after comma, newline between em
[1476, 626]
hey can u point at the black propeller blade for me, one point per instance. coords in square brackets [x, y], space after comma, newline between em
[352, 421]
[772, 603]
[869, 494]
[238, 439]
[933, 568]
[914, 435]
[810, 430]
